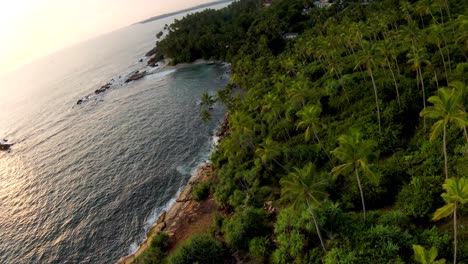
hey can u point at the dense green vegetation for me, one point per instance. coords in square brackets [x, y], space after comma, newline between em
[355, 130]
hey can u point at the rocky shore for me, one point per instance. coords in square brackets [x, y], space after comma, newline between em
[182, 212]
[186, 216]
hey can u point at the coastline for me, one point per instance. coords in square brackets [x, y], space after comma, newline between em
[181, 210]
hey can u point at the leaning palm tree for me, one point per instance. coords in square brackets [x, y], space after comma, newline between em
[355, 155]
[310, 120]
[304, 187]
[207, 99]
[456, 193]
[448, 108]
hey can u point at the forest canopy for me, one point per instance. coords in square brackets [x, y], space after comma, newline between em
[355, 130]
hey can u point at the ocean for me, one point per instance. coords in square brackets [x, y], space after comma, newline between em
[84, 183]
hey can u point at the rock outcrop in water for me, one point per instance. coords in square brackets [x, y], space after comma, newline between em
[136, 76]
[103, 88]
[5, 146]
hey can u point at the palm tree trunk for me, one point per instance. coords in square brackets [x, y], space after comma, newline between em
[423, 92]
[398, 68]
[316, 226]
[320, 143]
[394, 80]
[448, 56]
[445, 151]
[376, 98]
[455, 243]
[362, 193]
[445, 66]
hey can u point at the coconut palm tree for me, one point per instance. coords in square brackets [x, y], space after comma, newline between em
[302, 187]
[355, 155]
[456, 194]
[207, 99]
[310, 120]
[447, 109]
[365, 58]
[417, 59]
[268, 151]
[385, 48]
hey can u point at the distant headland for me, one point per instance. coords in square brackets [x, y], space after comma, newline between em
[183, 11]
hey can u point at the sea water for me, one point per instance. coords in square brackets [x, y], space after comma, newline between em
[84, 183]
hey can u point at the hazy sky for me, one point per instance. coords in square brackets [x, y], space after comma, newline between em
[30, 29]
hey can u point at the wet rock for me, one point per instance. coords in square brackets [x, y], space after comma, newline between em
[161, 217]
[141, 60]
[80, 101]
[103, 88]
[223, 130]
[5, 147]
[136, 76]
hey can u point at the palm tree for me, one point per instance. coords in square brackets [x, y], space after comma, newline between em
[207, 100]
[355, 155]
[304, 187]
[417, 60]
[456, 193]
[437, 36]
[365, 58]
[310, 119]
[423, 256]
[447, 109]
[269, 150]
[385, 49]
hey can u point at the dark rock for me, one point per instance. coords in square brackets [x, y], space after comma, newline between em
[141, 60]
[5, 147]
[103, 88]
[223, 130]
[153, 62]
[151, 52]
[161, 218]
[80, 101]
[136, 76]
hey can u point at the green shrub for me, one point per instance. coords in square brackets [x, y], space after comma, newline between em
[201, 191]
[198, 249]
[157, 251]
[421, 197]
[240, 228]
[259, 248]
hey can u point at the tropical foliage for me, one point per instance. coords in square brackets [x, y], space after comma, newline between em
[348, 94]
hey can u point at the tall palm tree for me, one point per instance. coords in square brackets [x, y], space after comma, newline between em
[437, 36]
[456, 193]
[365, 58]
[417, 59]
[355, 155]
[385, 48]
[447, 109]
[304, 187]
[310, 119]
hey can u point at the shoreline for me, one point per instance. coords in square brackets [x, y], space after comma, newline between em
[169, 220]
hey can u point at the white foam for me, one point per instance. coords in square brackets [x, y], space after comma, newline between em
[160, 74]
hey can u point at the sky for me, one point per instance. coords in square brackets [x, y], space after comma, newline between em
[30, 29]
